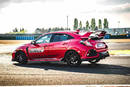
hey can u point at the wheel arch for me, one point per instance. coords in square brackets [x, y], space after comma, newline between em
[75, 61]
[19, 51]
[76, 49]
[69, 51]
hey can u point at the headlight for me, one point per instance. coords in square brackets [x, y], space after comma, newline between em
[100, 45]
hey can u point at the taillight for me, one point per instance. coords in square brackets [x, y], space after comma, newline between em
[86, 43]
[100, 45]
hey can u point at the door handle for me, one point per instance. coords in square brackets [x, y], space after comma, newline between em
[45, 45]
[64, 43]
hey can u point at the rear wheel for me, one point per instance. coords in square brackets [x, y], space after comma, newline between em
[73, 58]
[21, 58]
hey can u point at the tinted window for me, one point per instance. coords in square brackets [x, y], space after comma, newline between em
[70, 37]
[44, 39]
[61, 37]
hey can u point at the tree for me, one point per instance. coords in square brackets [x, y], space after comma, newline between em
[38, 30]
[42, 30]
[100, 24]
[75, 23]
[80, 25]
[93, 24]
[105, 23]
[22, 30]
[49, 30]
[87, 25]
[96, 28]
[15, 30]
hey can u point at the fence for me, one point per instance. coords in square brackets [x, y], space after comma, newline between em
[25, 37]
[18, 36]
[109, 36]
[34, 36]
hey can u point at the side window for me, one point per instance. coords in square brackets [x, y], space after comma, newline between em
[70, 37]
[64, 37]
[56, 38]
[44, 39]
[61, 37]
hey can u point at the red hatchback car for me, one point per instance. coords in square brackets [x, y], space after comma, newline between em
[69, 47]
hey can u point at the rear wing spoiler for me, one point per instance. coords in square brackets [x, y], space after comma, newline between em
[94, 35]
[100, 34]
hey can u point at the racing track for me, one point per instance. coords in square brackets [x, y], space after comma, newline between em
[113, 70]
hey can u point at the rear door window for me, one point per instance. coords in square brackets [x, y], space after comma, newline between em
[61, 37]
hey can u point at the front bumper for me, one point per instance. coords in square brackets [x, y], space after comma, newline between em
[13, 56]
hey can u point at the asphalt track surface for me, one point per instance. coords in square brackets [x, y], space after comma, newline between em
[112, 70]
[119, 46]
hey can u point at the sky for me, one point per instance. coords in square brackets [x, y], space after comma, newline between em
[32, 14]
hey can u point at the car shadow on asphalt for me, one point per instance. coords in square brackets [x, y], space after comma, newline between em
[83, 68]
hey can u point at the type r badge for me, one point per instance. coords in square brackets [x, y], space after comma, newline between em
[37, 50]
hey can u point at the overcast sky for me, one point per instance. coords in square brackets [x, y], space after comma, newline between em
[32, 14]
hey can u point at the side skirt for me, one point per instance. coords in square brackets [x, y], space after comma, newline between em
[46, 59]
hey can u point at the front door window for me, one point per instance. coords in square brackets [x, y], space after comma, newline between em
[44, 39]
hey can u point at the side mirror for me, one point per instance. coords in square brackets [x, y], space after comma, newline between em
[33, 42]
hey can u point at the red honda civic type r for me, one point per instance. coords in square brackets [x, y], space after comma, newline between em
[69, 47]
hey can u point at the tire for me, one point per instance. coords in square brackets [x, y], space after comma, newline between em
[72, 58]
[21, 58]
[94, 61]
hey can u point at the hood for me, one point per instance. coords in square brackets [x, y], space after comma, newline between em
[27, 44]
[24, 46]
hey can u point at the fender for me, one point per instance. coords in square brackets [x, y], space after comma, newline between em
[23, 49]
[79, 51]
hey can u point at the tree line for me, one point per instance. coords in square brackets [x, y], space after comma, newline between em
[91, 25]
[43, 30]
[18, 31]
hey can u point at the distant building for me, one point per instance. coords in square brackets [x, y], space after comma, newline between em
[117, 31]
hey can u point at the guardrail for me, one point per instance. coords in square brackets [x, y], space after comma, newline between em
[25, 37]
[109, 36]
[18, 36]
[34, 36]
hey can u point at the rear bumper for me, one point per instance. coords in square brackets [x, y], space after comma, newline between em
[102, 55]
[89, 59]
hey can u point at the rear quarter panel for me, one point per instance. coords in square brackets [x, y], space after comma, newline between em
[78, 47]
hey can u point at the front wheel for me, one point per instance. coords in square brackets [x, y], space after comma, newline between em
[73, 58]
[21, 58]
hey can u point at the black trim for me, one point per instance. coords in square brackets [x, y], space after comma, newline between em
[27, 51]
[14, 59]
[104, 55]
[91, 53]
[89, 59]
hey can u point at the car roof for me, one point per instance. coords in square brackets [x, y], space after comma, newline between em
[71, 33]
